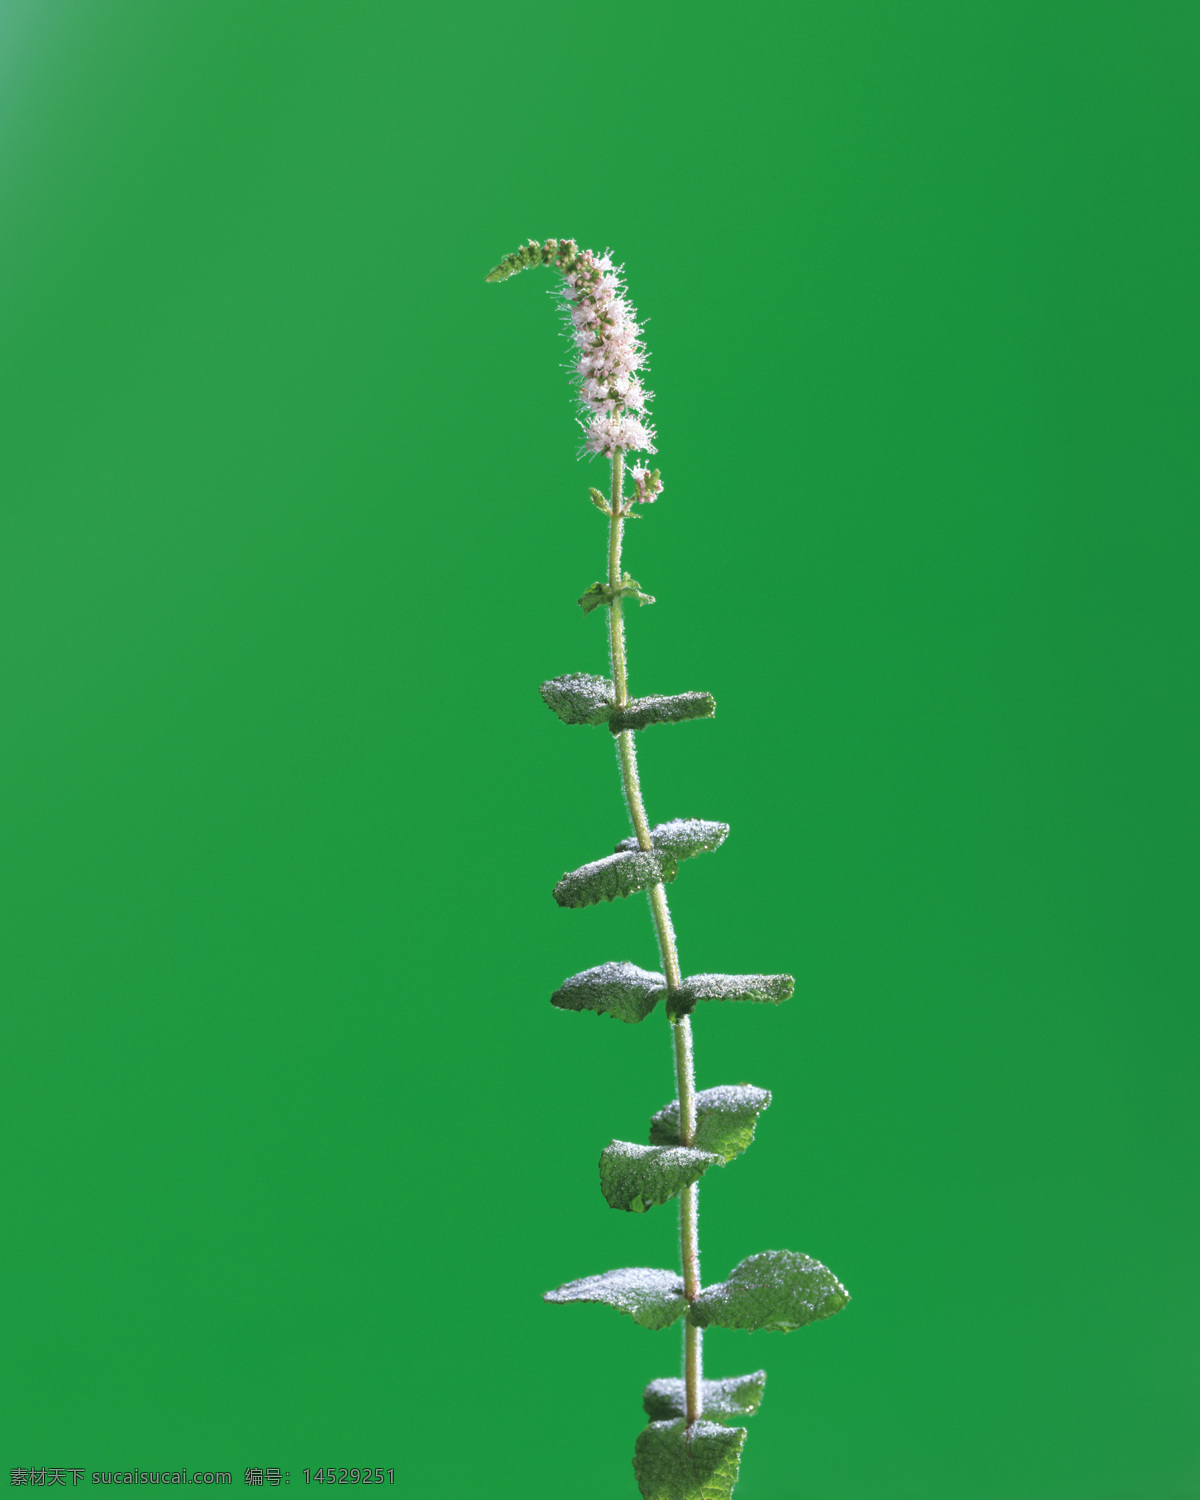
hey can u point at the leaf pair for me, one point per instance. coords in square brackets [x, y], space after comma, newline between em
[776, 1291]
[637, 1178]
[675, 1462]
[601, 593]
[580, 698]
[622, 990]
[630, 868]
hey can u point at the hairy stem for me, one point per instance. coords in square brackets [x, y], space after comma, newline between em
[685, 1074]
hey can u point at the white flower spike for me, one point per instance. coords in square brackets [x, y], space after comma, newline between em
[606, 332]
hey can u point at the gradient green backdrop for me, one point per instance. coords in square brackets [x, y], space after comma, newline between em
[294, 528]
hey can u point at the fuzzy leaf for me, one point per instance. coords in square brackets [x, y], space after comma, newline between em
[725, 1119]
[636, 1178]
[639, 712]
[739, 1396]
[770, 989]
[630, 588]
[778, 1290]
[579, 698]
[617, 875]
[594, 597]
[682, 837]
[617, 989]
[601, 593]
[652, 1298]
[672, 1461]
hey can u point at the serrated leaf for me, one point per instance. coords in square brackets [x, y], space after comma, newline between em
[778, 1290]
[739, 1396]
[640, 712]
[682, 837]
[636, 1178]
[621, 990]
[579, 698]
[768, 989]
[617, 875]
[673, 1461]
[725, 1119]
[651, 1298]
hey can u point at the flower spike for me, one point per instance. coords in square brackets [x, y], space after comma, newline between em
[608, 337]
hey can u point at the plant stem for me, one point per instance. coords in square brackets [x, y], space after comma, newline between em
[685, 1076]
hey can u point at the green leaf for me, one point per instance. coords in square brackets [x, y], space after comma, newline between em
[636, 1178]
[617, 989]
[631, 589]
[725, 1119]
[617, 875]
[594, 597]
[770, 989]
[673, 1461]
[652, 1298]
[682, 837]
[739, 1396]
[601, 593]
[639, 712]
[778, 1290]
[579, 698]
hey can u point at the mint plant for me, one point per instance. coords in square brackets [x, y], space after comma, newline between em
[689, 1450]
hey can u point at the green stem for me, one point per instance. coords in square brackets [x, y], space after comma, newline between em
[685, 1075]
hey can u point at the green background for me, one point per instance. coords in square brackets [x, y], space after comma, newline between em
[294, 528]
